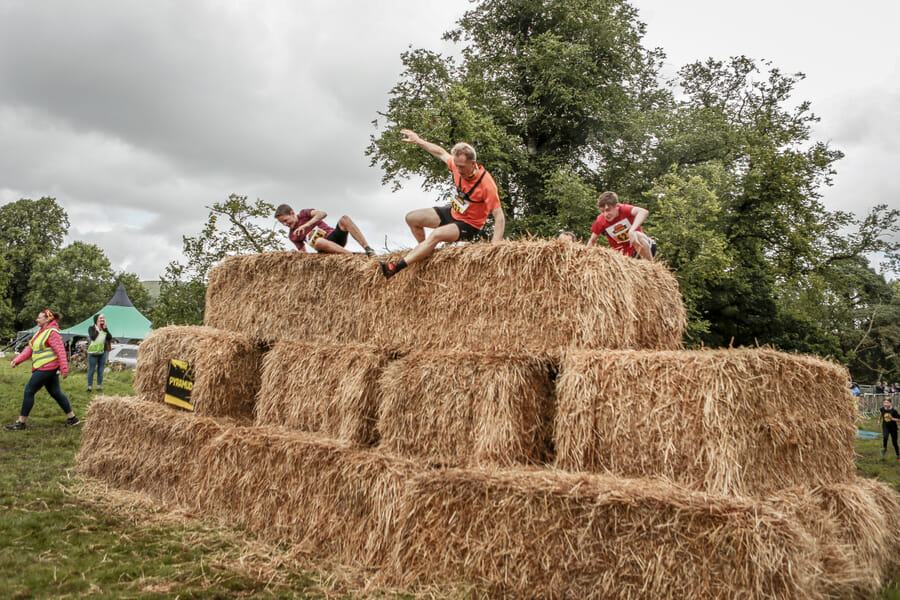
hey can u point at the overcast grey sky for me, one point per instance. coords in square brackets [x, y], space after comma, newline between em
[137, 115]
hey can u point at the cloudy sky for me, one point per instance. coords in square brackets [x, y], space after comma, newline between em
[137, 115]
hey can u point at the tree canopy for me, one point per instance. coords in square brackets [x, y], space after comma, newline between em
[561, 100]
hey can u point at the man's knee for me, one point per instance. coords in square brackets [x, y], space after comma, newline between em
[445, 233]
[344, 223]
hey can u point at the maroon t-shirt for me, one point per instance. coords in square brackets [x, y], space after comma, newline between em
[320, 229]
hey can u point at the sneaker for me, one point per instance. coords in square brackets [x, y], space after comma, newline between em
[89, 390]
[15, 426]
[73, 421]
[99, 390]
[883, 450]
[389, 269]
[370, 252]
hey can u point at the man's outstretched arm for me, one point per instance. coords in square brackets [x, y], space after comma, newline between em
[413, 138]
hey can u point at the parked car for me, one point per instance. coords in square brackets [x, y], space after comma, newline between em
[125, 354]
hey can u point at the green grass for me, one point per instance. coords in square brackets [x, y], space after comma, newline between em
[63, 537]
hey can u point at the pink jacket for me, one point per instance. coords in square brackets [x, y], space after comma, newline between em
[55, 342]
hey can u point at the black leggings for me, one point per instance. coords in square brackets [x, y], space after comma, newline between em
[893, 433]
[50, 381]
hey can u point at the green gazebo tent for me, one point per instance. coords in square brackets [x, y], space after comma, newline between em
[125, 322]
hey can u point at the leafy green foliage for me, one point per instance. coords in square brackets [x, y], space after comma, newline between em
[542, 86]
[232, 228]
[75, 281]
[688, 230]
[30, 230]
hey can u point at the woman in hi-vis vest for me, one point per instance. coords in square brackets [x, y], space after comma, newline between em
[98, 350]
[48, 361]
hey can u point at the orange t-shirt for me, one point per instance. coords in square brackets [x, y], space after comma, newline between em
[482, 201]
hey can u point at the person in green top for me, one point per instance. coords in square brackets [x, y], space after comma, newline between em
[98, 350]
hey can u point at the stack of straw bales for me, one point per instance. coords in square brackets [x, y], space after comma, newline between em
[724, 421]
[325, 388]
[225, 366]
[456, 408]
[507, 297]
[546, 534]
[517, 417]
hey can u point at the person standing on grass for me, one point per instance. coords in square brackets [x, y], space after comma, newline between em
[308, 226]
[98, 350]
[476, 198]
[889, 418]
[621, 223]
[48, 361]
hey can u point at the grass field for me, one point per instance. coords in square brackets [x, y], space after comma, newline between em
[63, 537]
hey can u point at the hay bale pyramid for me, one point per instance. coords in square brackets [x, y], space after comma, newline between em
[517, 418]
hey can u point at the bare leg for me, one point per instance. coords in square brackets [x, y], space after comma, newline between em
[421, 218]
[643, 246]
[329, 247]
[444, 233]
[345, 223]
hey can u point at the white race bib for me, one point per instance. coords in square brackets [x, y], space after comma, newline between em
[619, 231]
[459, 205]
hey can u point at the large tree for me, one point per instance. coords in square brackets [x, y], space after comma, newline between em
[547, 91]
[30, 230]
[233, 227]
[75, 281]
[742, 120]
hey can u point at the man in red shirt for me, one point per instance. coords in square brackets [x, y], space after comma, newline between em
[308, 226]
[622, 225]
[476, 198]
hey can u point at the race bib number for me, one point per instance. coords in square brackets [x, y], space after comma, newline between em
[314, 236]
[619, 231]
[459, 205]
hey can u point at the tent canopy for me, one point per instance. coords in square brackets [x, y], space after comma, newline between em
[124, 321]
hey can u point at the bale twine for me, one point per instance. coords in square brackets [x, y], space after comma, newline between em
[548, 534]
[451, 407]
[326, 388]
[145, 446]
[225, 366]
[736, 421]
[507, 297]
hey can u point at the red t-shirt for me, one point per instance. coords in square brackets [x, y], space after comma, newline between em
[617, 230]
[482, 201]
[304, 217]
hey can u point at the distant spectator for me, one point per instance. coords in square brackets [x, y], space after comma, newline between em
[879, 388]
[854, 389]
[889, 418]
[98, 351]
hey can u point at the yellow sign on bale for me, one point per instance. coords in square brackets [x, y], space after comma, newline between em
[179, 384]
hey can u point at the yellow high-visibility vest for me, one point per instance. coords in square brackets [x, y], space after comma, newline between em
[41, 352]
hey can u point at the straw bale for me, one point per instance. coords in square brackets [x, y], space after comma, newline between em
[326, 388]
[548, 534]
[734, 421]
[454, 407]
[326, 497]
[144, 446]
[509, 296]
[856, 529]
[225, 366]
